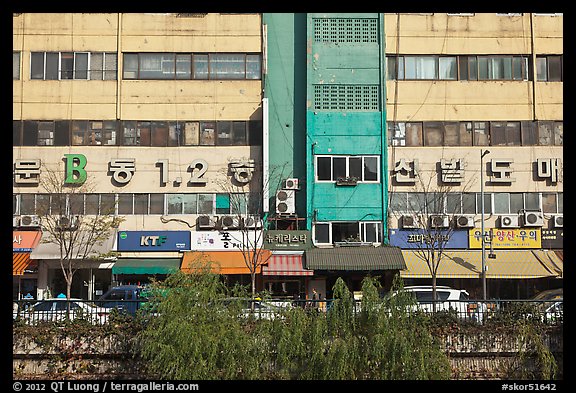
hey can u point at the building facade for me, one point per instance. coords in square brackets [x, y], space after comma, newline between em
[344, 133]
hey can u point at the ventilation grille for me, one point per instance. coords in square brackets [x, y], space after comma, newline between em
[340, 30]
[346, 97]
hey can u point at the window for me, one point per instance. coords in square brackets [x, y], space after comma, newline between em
[15, 65]
[505, 133]
[364, 168]
[16, 133]
[549, 68]
[502, 68]
[333, 232]
[322, 233]
[487, 203]
[73, 65]
[216, 66]
[125, 203]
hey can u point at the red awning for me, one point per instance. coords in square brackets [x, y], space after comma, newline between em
[285, 265]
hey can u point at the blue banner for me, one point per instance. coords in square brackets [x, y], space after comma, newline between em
[419, 238]
[154, 241]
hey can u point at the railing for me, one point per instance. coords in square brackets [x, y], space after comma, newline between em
[476, 311]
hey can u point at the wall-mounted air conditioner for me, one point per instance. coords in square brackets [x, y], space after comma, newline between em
[285, 202]
[30, 221]
[408, 222]
[509, 221]
[252, 221]
[291, 184]
[206, 222]
[15, 222]
[464, 221]
[67, 223]
[438, 221]
[229, 222]
[558, 220]
[533, 219]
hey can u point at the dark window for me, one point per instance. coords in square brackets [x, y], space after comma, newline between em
[159, 130]
[125, 204]
[16, 133]
[529, 133]
[15, 65]
[62, 133]
[433, 133]
[37, 65]
[322, 233]
[156, 203]
[345, 231]
[255, 132]
[324, 169]
[141, 203]
[338, 167]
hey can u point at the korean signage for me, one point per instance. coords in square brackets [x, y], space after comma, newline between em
[226, 240]
[553, 238]
[23, 241]
[420, 238]
[122, 170]
[287, 240]
[501, 171]
[507, 238]
[153, 241]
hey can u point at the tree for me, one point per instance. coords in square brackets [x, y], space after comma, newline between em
[62, 210]
[431, 208]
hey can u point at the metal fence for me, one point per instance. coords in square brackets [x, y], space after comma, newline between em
[476, 311]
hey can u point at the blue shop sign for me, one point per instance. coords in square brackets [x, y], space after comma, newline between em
[419, 238]
[154, 241]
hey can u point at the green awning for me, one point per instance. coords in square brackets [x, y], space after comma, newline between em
[355, 258]
[146, 266]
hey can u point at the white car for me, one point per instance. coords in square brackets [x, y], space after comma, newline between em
[60, 309]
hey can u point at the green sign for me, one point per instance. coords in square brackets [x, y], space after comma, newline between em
[75, 164]
[287, 240]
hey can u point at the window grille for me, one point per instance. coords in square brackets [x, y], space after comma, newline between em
[345, 30]
[346, 97]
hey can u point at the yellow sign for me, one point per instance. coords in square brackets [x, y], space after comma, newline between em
[506, 238]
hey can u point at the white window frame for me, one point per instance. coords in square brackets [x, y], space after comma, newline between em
[347, 157]
[361, 231]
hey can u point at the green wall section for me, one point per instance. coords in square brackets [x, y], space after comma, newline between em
[344, 132]
[285, 88]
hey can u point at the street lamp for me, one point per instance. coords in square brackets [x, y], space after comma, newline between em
[482, 154]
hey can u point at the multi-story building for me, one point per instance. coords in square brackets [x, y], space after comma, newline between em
[334, 126]
[161, 112]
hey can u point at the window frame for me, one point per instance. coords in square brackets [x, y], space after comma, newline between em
[347, 164]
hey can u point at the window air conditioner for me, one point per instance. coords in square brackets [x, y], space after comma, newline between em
[291, 184]
[439, 221]
[533, 219]
[252, 222]
[206, 222]
[228, 222]
[285, 202]
[509, 221]
[558, 220]
[408, 222]
[29, 221]
[67, 223]
[465, 221]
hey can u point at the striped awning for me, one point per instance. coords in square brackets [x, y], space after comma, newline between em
[21, 262]
[468, 264]
[285, 265]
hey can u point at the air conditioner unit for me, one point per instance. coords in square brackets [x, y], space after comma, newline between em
[285, 202]
[15, 222]
[291, 184]
[438, 221]
[408, 222]
[558, 220]
[29, 221]
[252, 222]
[67, 223]
[533, 219]
[509, 221]
[464, 221]
[206, 222]
[228, 222]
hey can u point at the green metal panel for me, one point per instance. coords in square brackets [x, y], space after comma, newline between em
[146, 266]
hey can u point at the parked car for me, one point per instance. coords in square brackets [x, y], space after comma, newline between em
[551, 294]
[60, 309]
[125, 298]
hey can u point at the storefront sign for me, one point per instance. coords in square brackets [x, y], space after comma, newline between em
[226, 240]
[420, 238]
[553, 239]
[153, 241]
[25, 241]
[287, 240]
[507, 238]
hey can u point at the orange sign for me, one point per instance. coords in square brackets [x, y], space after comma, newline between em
[25, 240]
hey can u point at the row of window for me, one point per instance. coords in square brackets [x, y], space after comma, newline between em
[104, 66]
[549, 68]
[332, 232]
[476, 133]
[136, 133]
[334, 168]
[128, 204]
[471, 203]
